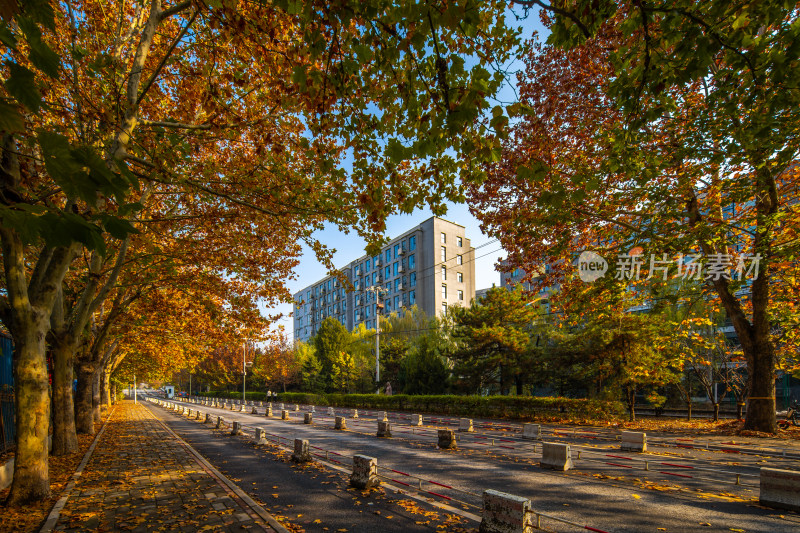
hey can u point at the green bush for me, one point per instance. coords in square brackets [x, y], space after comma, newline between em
[521, 407]
[235, 395]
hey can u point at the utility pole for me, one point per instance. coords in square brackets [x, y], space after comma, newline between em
[377, 290]
[190, 384]
[134, 388]
[244, 373]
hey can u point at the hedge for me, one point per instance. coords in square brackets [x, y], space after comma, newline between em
[255, 395]
[520, 407]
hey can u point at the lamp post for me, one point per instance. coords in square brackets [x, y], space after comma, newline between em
[244, 372]
[377, 290]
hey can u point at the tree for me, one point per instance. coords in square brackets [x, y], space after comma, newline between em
[331, 340]
[668, 125]
[493, 337]
[310, 368]
[424, 370]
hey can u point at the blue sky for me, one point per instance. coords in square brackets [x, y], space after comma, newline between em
[350, 247]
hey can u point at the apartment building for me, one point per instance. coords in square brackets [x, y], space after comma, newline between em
[431, 265]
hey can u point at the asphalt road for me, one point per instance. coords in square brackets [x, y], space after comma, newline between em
[592, 494]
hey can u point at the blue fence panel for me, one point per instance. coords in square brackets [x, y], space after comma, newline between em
[7, 425]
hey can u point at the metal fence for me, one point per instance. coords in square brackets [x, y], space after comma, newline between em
[7, 411]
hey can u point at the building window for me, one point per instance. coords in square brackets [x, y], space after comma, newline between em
[412, 279]
[444, 273]
[388, 255]
[387, 271]
[397, 302]
[412, 297]
[444, 254]
[366, 265]
[444, 291]
[443, 238]
[412, 242]
[459, 261]
[444, 307]
[396, 250]
[412, 262]
[461, 296]
[396, 268]
[459, 241]
[374, 278]
[397, 284]
[388, 305]
[460, 277]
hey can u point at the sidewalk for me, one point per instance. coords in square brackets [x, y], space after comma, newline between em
[141, 477]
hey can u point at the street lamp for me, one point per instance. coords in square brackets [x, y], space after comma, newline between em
[245, 366]
[377, 290]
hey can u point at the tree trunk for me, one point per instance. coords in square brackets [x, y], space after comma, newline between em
[689, 410]
[83, 401]
[739, 406]
[65, 439]
[760, 414]
[31, 480]
[519, 384]
[106, 392]
[716, 411]
[631, 400]
[96, 384]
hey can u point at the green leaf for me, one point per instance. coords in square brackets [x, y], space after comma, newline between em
[7, 37]
[10, 118]
[119, 228]
[44, 58]
[21, 86]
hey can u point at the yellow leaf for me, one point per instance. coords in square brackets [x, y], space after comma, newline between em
[636, 496]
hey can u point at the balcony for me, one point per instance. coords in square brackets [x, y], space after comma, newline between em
[377, 263]
[401, 269]
[400, 287]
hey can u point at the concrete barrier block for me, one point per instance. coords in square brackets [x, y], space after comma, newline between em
[313, 409]
[281, 407]
[355, 413]
[209, 418]
[634, 441]
[220, 422]
[365, 472]
[331, 411]
[447, 439]
[385, 416]
[261, 436]
[199, 415]
[340, 423]
[532, 431]
[236, 429]
[190, 413]
[416, 420]
[384, 429]
[301, 453]
[465, 424]
[780, 489]
[284, 415]
[269, 411]
[506, 513]
[308, 418]
[254, 410]
[556, 456]
[242, 408]
[296, 408]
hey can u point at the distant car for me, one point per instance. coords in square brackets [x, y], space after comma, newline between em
[182, 394]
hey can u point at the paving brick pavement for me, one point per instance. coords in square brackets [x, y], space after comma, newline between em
[142, 478]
